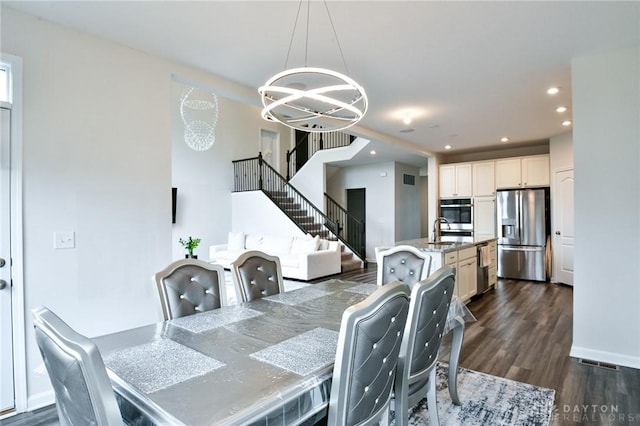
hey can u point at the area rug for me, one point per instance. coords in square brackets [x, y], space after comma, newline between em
[487, 400]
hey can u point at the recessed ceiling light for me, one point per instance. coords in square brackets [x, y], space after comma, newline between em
[372, 152]
[561, 109]
[505, 139]
[447, 147]
[566, 123]
[407, 119]
[553, 90]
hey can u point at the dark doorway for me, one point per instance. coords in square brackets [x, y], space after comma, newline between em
[302, 148]
[356, 207]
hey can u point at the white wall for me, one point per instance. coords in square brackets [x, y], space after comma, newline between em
[205, 179]
[311, 179]
[407, 204]
[606, 109]
[97, 132]
[561, 151]
[272, 220]
[379, 183]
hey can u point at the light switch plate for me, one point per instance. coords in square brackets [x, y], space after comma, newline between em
[64, 240]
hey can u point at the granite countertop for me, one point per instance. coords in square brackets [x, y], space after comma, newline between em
[425, 244]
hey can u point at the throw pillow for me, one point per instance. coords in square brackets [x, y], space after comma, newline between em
[235, 241]
[304, 245]
[254, 242]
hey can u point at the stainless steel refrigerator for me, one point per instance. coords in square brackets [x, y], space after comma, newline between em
[523, 229]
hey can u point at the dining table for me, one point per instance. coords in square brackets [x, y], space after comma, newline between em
[264, 362]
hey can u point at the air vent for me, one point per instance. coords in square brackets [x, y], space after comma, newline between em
[409, 179]
[604, 365]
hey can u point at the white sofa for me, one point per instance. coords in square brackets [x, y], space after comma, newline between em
[301, 257]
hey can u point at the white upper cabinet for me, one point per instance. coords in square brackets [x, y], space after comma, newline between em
[484, 182]
[535, 171]
[508, 174]
[455, 180]
[522, 172]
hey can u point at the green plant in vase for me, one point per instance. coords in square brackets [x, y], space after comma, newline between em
[190, 245]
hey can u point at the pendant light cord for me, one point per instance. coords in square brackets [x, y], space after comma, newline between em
[344, 62]
[306, 43]
[293, 33]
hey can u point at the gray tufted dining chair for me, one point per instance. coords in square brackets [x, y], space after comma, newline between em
[256, 275]
[190, 286]
[402, 263]
[83, 391]
[415, 376]
[366, 357]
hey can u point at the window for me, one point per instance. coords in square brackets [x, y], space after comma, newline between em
[4, 83]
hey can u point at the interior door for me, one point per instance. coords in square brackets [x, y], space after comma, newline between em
[356, 207]
[302, 148]
[7, 396]
[564, 235]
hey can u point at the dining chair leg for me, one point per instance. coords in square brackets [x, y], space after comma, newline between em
[384, 421]
[454, 356]
[432, 404]
[401, 406]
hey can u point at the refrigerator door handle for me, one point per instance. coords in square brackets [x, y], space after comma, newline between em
[520, 248]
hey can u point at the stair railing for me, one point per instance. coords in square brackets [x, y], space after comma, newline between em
[316, 141]
[350, 230]
[254, 174]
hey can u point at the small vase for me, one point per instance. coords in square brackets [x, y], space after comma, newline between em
[190, 256]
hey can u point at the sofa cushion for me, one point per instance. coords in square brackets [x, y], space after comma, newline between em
[235, 241]
[306, 244]
[288, 260]
[253, 242]
[275, 245]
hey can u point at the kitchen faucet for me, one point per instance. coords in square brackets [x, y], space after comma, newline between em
[436, 228]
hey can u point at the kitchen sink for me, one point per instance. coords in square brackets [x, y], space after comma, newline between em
[444, 243]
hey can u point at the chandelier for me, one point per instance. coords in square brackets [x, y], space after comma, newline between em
[199, 112]
[310, 98]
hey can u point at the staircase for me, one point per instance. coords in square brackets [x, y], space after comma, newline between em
[348, 262]
[253, 174]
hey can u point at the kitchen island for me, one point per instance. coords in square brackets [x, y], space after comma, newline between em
[465, 258]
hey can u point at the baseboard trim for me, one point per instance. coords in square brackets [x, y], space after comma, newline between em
[40, 400]
[603, 356]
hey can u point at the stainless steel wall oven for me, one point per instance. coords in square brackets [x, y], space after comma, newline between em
[459, 215]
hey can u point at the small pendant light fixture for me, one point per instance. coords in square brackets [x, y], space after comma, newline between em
[199, 112]
[313, 99]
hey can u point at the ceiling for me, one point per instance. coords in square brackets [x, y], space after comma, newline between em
[469, 73]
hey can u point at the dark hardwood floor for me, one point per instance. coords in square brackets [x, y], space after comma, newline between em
[523, 332]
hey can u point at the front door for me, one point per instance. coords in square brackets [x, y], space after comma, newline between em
[7, 397]
[564, 235]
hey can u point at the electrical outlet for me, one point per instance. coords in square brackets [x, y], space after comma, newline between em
[64, 240]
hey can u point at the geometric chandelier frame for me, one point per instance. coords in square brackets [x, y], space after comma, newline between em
[313, 99]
